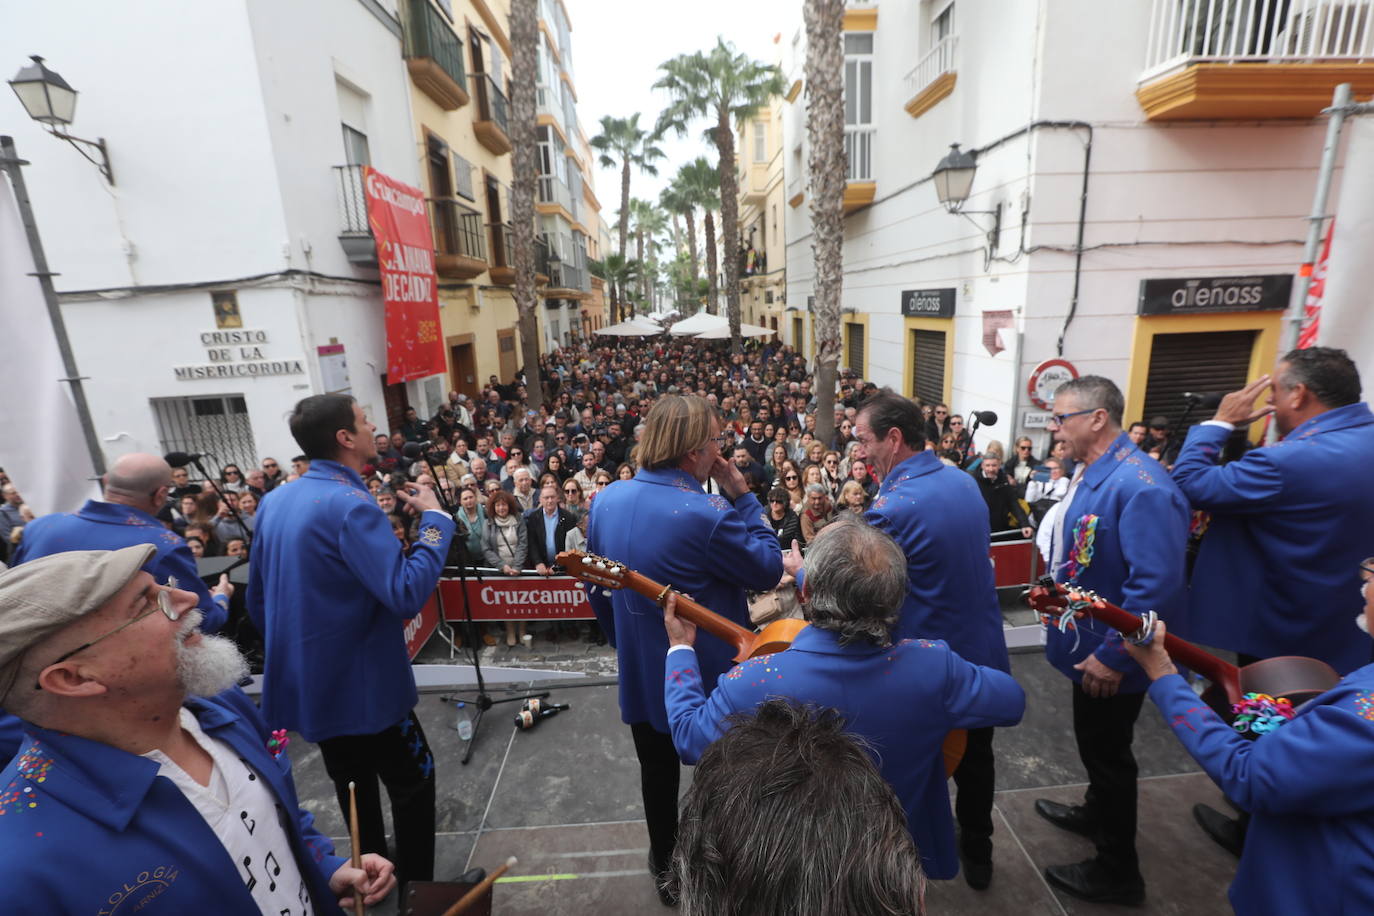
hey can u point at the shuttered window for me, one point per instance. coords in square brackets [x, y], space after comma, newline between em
[854, 346]
[928, 366]
[798, 331]
[1207, 362]
[462, 178]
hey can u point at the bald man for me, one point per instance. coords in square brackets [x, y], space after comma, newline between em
[136, 487]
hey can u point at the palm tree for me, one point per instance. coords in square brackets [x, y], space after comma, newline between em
[619, 275]
[724, 86]
[624, 140]
[825, 130]
[671, 201]
[524, 38]
[701, 184]
[649, 224]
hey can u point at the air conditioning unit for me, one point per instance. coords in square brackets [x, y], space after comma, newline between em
[1330, 30]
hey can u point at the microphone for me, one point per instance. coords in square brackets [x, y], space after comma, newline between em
[181, 459]
[416, 450]
[1202, 399]
[986, 417]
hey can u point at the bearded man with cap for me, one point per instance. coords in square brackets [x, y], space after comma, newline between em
[145, 775]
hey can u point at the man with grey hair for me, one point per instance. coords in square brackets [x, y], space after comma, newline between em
[136, 488]
[139, 745]
[10, 515]
[1121, 531]
[902, 699]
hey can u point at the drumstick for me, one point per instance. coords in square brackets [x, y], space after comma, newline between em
[476, 893]
[357, 858]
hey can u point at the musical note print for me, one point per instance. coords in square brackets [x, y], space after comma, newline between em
[276, 870]
[252, 878]
[247, 821]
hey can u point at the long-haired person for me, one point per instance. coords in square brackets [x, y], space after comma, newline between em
[714, 547]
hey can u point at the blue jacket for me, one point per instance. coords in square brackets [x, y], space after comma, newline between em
[939, 519]
[663, 526]
[1277, 572]
[903, 700]
[89, 826]
[1310, 788]
[1135, 559]
[329, 589]
[110, 526]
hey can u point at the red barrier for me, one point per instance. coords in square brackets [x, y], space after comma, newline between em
[1014, 563]
[421, 627]
[517, 598]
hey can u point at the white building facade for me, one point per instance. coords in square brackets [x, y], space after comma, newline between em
[1143, 174]
[209, 288]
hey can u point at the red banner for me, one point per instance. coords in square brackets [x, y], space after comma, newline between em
[517, 598]
[410, 288]
[421, 627]
[1313, 306]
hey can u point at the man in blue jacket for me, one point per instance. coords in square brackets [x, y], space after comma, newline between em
[1122, 533]
[330, 589]
[1287, 524]
[937, 516]
[1309, 786]
[147, 781]
[903, 699]
[713, 547]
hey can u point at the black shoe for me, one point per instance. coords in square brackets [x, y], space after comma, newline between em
[472, 876]
[978, 875]
[1225, 831]
[1088, 880]
[1073, 818]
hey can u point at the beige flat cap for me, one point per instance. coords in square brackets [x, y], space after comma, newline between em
[44, 595]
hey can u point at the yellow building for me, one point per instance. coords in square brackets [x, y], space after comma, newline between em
[763, 271]
[458, 54]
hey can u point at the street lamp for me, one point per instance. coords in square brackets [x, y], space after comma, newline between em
[953, 179]
[51, 101]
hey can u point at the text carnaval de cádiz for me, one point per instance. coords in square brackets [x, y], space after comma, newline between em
[408, 276]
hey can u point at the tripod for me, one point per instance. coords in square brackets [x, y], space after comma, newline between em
[481, 700]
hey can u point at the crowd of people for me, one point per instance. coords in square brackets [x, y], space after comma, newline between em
[877, 534]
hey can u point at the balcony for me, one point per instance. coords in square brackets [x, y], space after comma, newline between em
[1254, 59]
[859, 186]
[491, 127]
[356, 234]
[459, 251]
[796, 191]
[434, 56]
[753, 184]
[933, 78]
[555, 196]
[503, 256]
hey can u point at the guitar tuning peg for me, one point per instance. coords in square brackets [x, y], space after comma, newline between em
[606, 592]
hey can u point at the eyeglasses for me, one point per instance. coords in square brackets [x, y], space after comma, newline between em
[163, 604]
[720, 440]
[1057, 419]
[266, 465]
[573, 491]
[1367, 569]
[789, 477]
[1023, 448]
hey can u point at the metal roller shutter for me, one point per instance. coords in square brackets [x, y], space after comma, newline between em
[854, 346]
[928, 366]
[1207, 362]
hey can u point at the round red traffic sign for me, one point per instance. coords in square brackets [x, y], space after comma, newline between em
[1046, 378]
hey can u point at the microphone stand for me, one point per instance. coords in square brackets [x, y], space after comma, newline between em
[481, 701]
[233, 507]
[1170, 453]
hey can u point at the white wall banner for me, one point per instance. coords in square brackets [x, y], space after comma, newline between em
[41, 445]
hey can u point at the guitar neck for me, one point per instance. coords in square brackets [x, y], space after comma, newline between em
[723, 629]
[1204, 663]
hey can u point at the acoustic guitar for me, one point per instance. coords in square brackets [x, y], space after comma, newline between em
[1292, 676]
[776, 637]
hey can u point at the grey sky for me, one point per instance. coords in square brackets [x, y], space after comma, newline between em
[618, 45]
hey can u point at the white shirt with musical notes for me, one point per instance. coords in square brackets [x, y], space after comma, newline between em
[243, 813]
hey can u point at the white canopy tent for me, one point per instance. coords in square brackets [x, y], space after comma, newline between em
[634, 327]
[723, 332]
[701, 321]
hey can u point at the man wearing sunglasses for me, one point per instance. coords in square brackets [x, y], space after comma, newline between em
[1121, 532]
[146, 775]
[1275, 573]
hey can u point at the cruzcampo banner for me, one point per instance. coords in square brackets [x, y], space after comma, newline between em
[410, 289]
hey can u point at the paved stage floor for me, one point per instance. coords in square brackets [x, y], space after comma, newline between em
[564, 798]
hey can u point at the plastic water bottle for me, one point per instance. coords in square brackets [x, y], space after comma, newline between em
[464, 722]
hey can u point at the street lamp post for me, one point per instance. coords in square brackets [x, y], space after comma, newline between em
[953, 179]
[51, 101]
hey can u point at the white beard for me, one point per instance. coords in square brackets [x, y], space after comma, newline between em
[211, 667]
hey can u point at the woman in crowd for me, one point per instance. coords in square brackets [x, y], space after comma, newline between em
[573, 501]
[777, 457]
[858, 472]
[815, 454]
[231, 479]
[555, 465]
[1022, 463]
[601, 480]
[784, 522]
[197, 546]
[853, 499]
[401, 529]
[830, 474]
[184, 513]
[505, 544]
[790, 480]
[811, 475]
[626, 471]
[844, 435]
[248, 508]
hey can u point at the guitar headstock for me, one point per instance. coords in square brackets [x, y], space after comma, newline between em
[1051, 599]
[591, 568]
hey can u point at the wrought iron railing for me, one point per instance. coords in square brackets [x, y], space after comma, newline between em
[457, 230]
[491, 101]
[352, 200]
[428, 35]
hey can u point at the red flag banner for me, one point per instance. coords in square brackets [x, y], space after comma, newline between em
[410, 288]
[1315, 291]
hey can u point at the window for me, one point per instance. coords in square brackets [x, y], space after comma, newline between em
[854, 346]
[928, 366]
[217, 425]
[760, 142]
[942, 25]
[858, 105]
[355, 147]
[462, 178]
